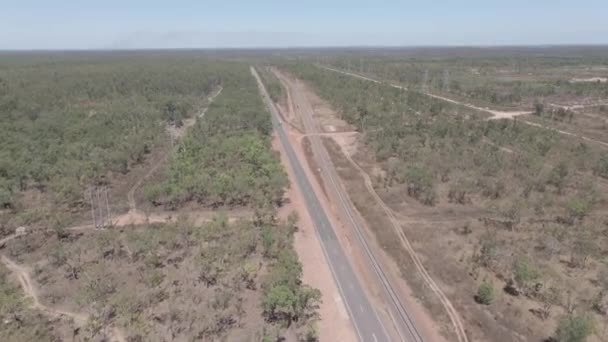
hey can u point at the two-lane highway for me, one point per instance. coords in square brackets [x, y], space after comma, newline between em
[363, 315]
[400, 320]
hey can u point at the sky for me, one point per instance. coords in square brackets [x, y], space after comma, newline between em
[136, 24]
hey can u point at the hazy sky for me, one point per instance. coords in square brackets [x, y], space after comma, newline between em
[109, 24]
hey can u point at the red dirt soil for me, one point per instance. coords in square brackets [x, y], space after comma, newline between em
[334, 324]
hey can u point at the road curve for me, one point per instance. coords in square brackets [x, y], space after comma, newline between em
[368, 325]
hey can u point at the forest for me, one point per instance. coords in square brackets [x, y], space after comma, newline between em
[69, 123]
[77, 120]
[226, 159]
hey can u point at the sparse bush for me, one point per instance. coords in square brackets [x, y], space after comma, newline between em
[485, 293]
[601, 168]
[488, 251]
[420, 185]
[539, 108]
[574, 329]
[524, 273]
[557, 176]
[492, 189]
[583, 247]
[268, 241]
[578, 208]
[458, 193]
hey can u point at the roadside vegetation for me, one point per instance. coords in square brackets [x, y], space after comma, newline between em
[272, 84]
[528, 204]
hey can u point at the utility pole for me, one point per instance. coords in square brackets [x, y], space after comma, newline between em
[425, 80]
[102, 221]
[89, 193]
[446, 80]
[108, 213]
[100, 205]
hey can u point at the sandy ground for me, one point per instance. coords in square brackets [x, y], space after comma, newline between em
[334, 324]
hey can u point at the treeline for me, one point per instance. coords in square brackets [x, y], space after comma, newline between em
[226, 158]
[69, 122]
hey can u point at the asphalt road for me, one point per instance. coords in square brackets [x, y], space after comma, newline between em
[400, 319]
[363, 315]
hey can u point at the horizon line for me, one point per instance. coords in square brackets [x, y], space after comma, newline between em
[253, 48]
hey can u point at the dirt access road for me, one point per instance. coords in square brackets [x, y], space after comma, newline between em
[496, 115]
[80, 320]
[132, 217]
[389, 296]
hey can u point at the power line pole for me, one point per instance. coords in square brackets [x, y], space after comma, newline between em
[99, 208]
[446, 80]
[425, 80]
[108, 213]
[89, 193]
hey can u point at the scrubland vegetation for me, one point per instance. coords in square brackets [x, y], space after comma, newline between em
[272, 84]
[226, 159]
[69, 121]
[530, 205]
[495, 76]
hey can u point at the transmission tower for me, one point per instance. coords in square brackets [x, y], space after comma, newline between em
[425, 80]
[100, 206]
[446, 80]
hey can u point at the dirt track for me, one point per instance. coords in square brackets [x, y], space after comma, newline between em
[496, 114]
[175, 133]
[132, 217]
[31, 291]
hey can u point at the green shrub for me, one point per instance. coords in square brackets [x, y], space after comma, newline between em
[574, 329]
[539, 108]
[523, 272]
[601, 168]
[485, 293]
[420, 185]
[578, 208]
